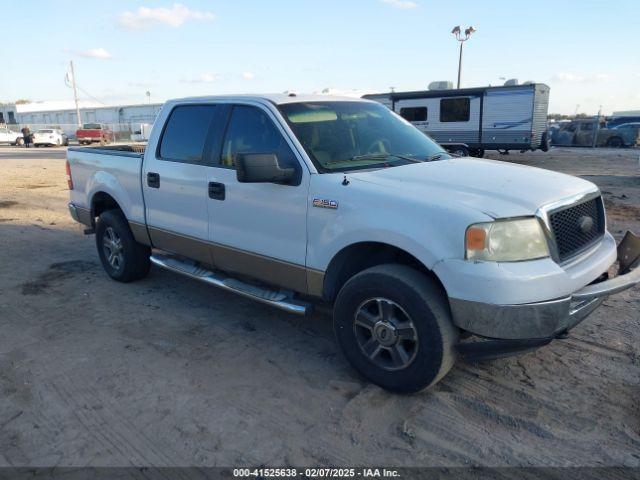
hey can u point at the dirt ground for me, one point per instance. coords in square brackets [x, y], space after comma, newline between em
[170, 372]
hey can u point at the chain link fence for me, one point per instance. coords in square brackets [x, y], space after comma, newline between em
[122, 132]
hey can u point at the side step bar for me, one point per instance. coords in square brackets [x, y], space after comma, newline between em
[278, 299]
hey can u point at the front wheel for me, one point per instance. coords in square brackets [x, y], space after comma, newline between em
[124, 259]
[393, 325]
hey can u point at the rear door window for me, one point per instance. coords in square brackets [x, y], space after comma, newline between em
[185, 133]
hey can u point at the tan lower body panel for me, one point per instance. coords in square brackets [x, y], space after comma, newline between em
[140, 233]
[189, 247]
[269, 270]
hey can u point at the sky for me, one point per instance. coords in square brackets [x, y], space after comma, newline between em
[587, 51]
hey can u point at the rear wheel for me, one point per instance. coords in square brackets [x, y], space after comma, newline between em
[124, 259]
[615, 142]
[394, 326]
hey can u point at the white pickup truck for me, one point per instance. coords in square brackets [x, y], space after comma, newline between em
[294, 200]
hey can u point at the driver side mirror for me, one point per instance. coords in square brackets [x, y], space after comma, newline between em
[263, 168]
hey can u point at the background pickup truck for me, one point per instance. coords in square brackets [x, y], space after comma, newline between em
[579, 133]
[294, 200]
[94, 132]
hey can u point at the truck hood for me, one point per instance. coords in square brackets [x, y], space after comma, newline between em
[498, 189]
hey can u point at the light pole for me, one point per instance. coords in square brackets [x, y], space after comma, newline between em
[458, 34]
[148, 94]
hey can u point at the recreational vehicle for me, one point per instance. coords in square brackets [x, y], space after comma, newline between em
[472, 120]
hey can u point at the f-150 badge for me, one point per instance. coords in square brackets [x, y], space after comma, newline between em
[323, 203]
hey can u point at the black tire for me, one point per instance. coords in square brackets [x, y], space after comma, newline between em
[413, 296]
[460, 151]
[615, 142]
[545, 142]
[133, 258]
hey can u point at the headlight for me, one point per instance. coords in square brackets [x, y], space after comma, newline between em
[506, 241]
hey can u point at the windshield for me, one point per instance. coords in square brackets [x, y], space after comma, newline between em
[44, 131]
[91, 126]
[340, 136]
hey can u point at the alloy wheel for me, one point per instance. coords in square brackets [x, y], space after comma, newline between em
[113, 248]
[385, 334]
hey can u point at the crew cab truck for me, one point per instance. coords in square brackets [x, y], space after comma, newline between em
[293, 200]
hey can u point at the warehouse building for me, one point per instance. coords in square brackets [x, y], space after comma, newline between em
[122, 119]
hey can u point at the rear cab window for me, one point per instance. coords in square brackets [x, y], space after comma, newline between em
[185, 133]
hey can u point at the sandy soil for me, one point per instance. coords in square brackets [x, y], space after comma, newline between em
[167, 371]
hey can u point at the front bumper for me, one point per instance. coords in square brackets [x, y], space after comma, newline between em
[546, 320]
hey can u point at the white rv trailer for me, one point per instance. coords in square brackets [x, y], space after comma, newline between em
[485, 118]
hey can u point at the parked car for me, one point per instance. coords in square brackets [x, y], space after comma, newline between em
[94, 133]
[292, 200]
[579, 133]
[50, 137]
[10, 136]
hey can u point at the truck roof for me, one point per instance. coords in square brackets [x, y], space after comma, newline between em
[275, 98]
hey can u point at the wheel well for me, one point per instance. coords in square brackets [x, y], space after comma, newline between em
[101, 202]
[360, 256]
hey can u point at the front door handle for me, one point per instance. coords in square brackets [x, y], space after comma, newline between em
[216, 190]
[153, 180]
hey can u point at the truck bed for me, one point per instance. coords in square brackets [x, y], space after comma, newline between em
[118, 167]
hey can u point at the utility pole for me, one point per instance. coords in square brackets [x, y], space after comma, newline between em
[75, 93]
[596, 127]
[457, 32]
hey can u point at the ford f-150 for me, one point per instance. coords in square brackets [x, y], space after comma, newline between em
[299, 200]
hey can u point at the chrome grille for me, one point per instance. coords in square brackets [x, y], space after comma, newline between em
[577, 227]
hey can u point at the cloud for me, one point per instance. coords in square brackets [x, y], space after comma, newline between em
[248, 76]
[145, 17]
[573, 78]
[204, 78]
[99, 53]
[402, 4]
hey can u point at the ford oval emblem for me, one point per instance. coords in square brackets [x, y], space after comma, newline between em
[585, 224]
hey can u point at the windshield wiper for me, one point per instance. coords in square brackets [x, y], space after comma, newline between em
[374, 156]
[432, 158]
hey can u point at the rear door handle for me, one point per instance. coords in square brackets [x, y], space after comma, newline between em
[153, 180]
[216, 190]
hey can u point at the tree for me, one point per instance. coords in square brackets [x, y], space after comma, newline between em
[22, 101]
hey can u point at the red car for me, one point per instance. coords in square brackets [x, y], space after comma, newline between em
[94, 132]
